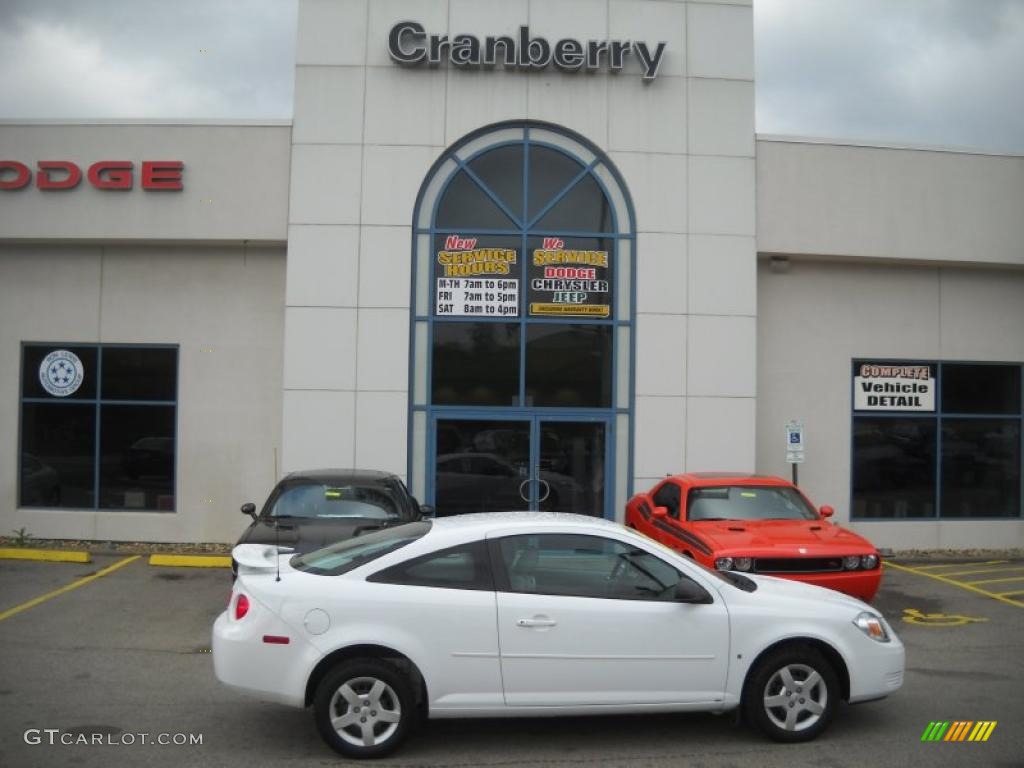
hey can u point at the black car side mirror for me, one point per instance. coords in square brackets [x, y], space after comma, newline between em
[249, 509]
[689, 591]
[426, 510]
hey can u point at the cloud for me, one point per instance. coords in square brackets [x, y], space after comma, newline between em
[916, 71]
[919, 71]
[145, 59]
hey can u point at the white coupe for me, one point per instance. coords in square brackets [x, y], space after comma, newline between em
[529, 614]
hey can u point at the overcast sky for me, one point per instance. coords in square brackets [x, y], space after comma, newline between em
[948, 72]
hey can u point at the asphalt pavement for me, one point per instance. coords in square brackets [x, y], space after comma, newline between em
[125, 658]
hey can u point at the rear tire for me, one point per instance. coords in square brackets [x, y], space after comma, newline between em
[364, 708]
[791, 695]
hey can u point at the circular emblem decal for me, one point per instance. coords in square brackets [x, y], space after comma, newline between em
[61, 373]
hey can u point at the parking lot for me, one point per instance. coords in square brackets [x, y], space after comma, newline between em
[127, 654]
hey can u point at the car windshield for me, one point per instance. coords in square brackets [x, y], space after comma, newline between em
[747, 502]
[349, 554]
[321, 500]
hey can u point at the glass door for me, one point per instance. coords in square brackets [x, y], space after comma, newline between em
[492, 465]
[571, 468]
[481, 465]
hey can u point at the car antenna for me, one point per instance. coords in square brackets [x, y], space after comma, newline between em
[277, 547]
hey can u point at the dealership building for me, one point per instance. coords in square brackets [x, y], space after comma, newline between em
[524, 254]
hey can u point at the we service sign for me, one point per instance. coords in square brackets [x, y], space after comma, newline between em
[884, 387]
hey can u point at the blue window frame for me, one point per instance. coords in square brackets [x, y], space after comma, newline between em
[954, 453]
[98, 426]
[535, 349]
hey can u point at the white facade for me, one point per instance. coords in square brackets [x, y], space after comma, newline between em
[289, 253]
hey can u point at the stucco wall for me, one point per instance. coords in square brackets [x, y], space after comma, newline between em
[833, 199]
[235, 181]
[817, 316]
[366, 132]
[223, 305]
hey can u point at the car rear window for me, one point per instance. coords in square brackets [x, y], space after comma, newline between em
[748, 502]
[349, 554]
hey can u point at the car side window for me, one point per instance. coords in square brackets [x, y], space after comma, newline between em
[582, 566]
[668, 496]
[466, 566]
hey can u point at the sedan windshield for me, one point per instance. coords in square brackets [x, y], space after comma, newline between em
[320, 500]
[745, 502]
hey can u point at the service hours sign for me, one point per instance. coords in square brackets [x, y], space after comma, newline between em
[476, 279]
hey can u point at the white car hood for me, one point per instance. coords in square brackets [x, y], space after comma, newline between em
[773, 586]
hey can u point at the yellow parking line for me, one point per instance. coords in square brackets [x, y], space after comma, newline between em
[961, 584]
[983, 570]
[73, 585]
[955, 565]
[192, 561]
[50, 555]
[997, 581]
[1007, 594]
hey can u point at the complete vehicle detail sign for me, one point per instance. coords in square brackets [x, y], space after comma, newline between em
[476, 281]
[885, 387]
[410, 45]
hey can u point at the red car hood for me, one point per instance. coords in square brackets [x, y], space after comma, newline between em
[781, 538]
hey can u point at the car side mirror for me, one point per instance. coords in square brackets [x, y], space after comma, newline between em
[249, 509]
[827, 511]
[426, 511]
[689, 591]
[660, 512]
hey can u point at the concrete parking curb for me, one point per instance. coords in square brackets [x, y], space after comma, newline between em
[191, 561]
[50, 555]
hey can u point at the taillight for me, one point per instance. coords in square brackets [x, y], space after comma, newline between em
[241, 607]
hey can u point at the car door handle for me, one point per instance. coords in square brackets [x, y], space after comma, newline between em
[536, 623]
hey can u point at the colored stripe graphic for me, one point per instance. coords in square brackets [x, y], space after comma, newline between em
[982, 730]
[959, 730]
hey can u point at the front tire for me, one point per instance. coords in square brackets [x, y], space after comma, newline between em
[791, 695]
[364, 708]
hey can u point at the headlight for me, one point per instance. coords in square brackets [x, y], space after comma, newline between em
[873, 626]
[743, 563]
[724, 563]
[851, 562]
[868, 562]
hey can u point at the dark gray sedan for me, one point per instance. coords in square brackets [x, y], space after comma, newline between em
[311, 509]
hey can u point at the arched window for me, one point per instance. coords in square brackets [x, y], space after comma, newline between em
[522, 322]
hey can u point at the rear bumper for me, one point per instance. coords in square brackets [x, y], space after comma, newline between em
[272, 672]
[860, 584]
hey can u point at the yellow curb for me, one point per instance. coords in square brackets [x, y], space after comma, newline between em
[52, 555]
[192, 561]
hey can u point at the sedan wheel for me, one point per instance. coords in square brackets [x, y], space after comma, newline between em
[363, 708]
[795, 697]
[791, 694]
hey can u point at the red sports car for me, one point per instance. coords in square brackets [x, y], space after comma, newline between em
[754, 524]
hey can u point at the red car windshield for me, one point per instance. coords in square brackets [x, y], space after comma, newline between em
[746, 502]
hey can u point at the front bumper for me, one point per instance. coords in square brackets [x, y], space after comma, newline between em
[860, 584]
[878, 671]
